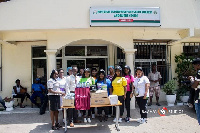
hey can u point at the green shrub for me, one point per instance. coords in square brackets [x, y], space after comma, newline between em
[169, 87]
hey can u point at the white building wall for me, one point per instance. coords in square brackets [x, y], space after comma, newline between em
[63, 14]
[16, 64]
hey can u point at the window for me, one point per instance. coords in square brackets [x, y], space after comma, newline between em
[120, 57]
[96, 50]
[150, 50]
[39, 64]
[149, 53]
[192, 49]
[75, 51]
[38, 51]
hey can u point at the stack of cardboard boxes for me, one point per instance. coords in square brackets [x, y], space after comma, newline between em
[99, 97]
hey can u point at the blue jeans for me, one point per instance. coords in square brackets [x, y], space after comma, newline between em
[197, 108]
[3, 103]
[37, 94]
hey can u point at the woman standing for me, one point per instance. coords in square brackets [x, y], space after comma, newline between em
[110, 77]
[54, 98]
[62, 85]
[101, 79]
[111, 74]
[119, 88]
[130, 80]
[86, 78]
[141, 85]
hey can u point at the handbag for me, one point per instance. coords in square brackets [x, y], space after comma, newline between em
[22, 91]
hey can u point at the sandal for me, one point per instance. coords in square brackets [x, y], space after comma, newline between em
[54, 128]
[100, 118]
[106, 118]
[58, 125]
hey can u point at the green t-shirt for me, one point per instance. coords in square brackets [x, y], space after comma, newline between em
[90, 80]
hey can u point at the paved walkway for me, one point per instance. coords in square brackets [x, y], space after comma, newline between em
[179, 119]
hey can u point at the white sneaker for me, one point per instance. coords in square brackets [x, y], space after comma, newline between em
[114, 120]
[89, 120]
[109, 116]
[143, 121]
[139, 120]
[93, 116]
[120, 120]
[85, 120]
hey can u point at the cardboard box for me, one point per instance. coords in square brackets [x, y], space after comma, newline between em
[99, 94]
[100, 101]
[67, 102]
[113, 99]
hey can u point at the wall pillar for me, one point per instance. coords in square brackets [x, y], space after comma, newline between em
[111, 49]
[129, 53]
[51, 61]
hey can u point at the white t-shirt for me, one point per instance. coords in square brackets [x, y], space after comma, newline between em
[54, 85]
[139, 85]
[154, 76]
[63, 85]
[18, 89]
[72, 81]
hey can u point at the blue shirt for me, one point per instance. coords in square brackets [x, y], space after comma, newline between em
[108, 82]
[38, 87]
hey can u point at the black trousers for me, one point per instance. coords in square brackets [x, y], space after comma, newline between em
[192, 95]
[106, 110]
[89, 112]
[93, 110]
[142, 103]
[127, 103]
[110, 110]
[72, 114]
[22, 96]
[121, 99]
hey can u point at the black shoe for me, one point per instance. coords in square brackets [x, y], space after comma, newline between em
[106, 118]
[100, 118]
[127, 119]
[158, 104]
[150, 104]
[54, 128]
[58, 125]
[38, 105]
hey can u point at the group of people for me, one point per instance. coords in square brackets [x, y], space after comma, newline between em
[119, 82]
[37, 90]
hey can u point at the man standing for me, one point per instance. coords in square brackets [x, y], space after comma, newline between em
[154, 78]
[81, 72]
[69, 71]
[196, 86]
[72, 80]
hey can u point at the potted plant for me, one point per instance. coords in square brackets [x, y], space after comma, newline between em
[9, 103]
[169, 89]
[183, 69]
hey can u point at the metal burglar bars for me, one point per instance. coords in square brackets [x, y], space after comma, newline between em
[154, 52]
[191, 49]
